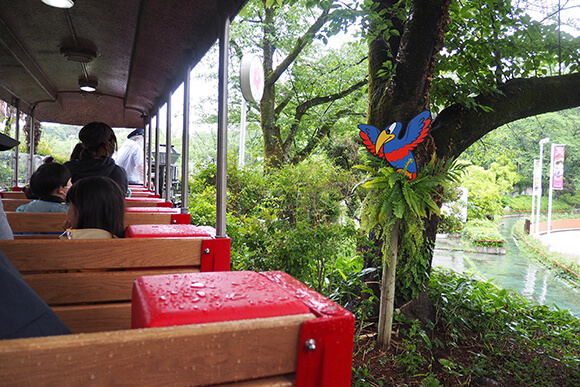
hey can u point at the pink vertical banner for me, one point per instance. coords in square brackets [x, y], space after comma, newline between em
[558, 178]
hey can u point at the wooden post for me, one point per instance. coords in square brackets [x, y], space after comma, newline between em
[388, 291]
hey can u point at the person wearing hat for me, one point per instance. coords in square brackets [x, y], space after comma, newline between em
[6, 143]
[130, 156]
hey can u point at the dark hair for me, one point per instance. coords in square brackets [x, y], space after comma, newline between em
[47, 178]
[100, 203]
[96, 138]
[76, 153]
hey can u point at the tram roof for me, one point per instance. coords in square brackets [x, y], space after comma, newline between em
[143, 48]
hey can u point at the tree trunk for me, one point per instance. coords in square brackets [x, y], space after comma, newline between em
[388, 292]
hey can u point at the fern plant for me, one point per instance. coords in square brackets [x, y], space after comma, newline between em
[393, 198]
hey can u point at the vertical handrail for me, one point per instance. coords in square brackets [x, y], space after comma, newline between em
[146, 124]
[157, 161]
[31, 149]
[221, 174]
[17, 150]
[185, 141]
[149, 162]
[168, 179]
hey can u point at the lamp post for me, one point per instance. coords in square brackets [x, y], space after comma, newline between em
[542, 142]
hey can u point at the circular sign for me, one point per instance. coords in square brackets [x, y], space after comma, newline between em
[252, 78]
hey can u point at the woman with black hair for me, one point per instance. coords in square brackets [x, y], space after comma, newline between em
[98, 145]
[49, 183]
[96, 210]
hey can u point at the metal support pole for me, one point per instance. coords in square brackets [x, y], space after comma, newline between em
[168, 179]
[147, 124]
[157, 161]
[148, 161]
[17, 137]
[533, 210]
[185, 142]
[31, 150]
[542, 142]
[221, 178]
[242, 150]
[549, 223]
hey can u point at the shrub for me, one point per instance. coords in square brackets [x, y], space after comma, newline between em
[482, 232]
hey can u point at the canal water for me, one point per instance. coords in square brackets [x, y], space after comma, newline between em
[510, 271]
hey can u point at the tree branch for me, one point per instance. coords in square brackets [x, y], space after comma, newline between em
[315, 140]
[457, 127]
[302, 42]
[304, 107]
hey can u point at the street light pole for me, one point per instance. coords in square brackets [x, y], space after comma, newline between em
[542, 142]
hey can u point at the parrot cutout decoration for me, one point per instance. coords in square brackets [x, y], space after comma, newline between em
[397, 151]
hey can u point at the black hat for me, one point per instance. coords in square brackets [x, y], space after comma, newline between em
[136, 132]
[7, 143]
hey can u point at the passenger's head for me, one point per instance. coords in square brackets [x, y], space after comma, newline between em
[98, 139]
[134, 135]
[97, 202]
[52, 179]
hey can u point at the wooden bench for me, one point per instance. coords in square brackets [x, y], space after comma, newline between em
[145, 194]
[88, 282]
[13, 194]
[38, 223]
[13, 204]
[306, 349]
[147, 202]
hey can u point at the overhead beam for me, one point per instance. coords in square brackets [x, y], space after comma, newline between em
[12, 45]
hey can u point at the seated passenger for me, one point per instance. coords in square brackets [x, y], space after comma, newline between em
[96, 210]
[5, 229]
[98, 144]
[22, 312]
[6, 143]
[50, 183]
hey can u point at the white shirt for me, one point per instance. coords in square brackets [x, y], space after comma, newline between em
[130, 157]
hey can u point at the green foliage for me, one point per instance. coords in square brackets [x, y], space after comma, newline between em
[393, 196]
[508, 330]
[414, 259]
[287, 220]
[523, 203]
[310, 93]
[486, 187]
[518, 143]
[483, 232]
[515, 47]
[317, 255]
[451, 221]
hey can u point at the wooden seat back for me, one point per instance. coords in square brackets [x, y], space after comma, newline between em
[13, 194]
[88, 282]
[255, 352]
[38, 223]
[13, 204]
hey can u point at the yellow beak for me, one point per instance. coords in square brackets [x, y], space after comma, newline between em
[383, 138]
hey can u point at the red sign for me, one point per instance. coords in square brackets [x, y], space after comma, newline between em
[558, 163]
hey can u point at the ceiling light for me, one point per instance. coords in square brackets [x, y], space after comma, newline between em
[88, 85]
[81, 55]
[59, 3]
